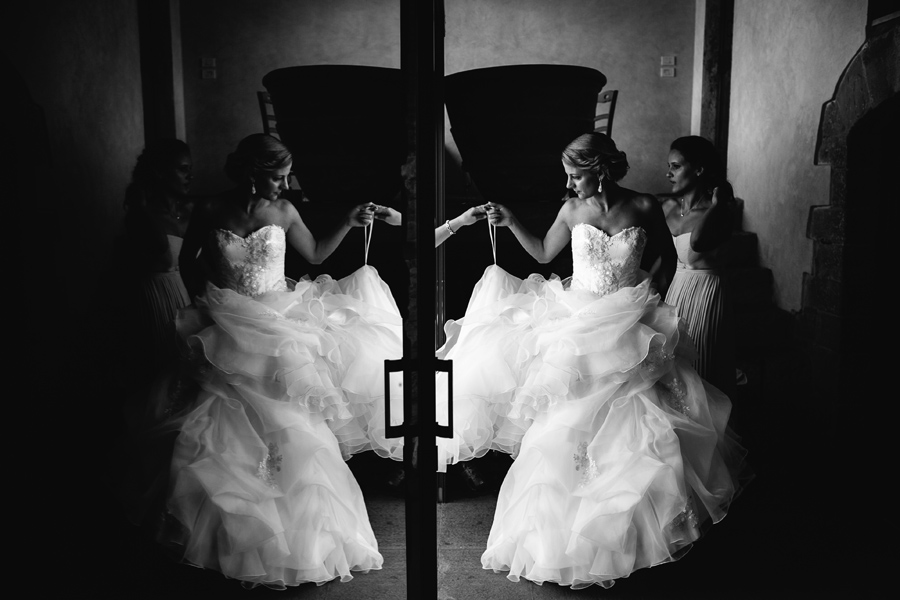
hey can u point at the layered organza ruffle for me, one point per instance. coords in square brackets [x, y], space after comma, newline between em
[375, 337]
[320, 346]
[622, 451]
[262, 494]
[485, 349]
[284, 387]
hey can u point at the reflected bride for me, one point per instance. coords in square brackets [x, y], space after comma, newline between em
[283, 386]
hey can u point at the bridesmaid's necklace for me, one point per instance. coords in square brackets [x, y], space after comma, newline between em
[690, 210]
[176, 209]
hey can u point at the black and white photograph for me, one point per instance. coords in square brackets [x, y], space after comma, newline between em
[649, 355]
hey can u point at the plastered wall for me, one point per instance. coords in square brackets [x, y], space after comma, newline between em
[249, 39]
[81, 64]
[787, 58]
[623, 39]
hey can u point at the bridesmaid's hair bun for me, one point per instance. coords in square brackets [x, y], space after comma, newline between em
[255, 153]
[597, 153]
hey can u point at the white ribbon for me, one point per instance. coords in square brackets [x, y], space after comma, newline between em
[368, 230]
[492, 232]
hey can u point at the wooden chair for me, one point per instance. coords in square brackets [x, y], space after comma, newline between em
[267, 111]
[606, 110]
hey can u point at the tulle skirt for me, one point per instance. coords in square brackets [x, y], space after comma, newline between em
[622, 453]
[281, 389]
[487, 365]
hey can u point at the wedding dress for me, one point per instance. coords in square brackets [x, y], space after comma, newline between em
[289, 375]
[622, 451]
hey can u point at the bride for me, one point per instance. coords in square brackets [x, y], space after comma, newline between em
[282, 388]
[621, 450]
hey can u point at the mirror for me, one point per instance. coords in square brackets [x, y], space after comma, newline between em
[188, 69]
[332, 73]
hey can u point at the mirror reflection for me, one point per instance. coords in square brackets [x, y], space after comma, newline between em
[258, 283]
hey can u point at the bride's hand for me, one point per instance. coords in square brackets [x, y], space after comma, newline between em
[388, 215]
[499, 215]
[361, 215]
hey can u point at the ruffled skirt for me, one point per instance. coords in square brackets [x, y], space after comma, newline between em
[622, 451]
[487, 363]
[290, 384]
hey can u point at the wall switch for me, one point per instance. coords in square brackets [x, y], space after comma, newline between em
[667, 61]
[208, 73]
[667, 71]
[208, 63]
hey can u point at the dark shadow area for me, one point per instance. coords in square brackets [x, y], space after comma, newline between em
[90, 450]
[862, 435]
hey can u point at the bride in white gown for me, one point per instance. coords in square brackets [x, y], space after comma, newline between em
[622, 453]
[288, 376]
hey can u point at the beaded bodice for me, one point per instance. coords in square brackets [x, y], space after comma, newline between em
[252, 265]
[605, 263]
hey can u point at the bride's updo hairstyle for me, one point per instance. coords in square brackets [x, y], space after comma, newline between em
[597, 153]
[255, 154]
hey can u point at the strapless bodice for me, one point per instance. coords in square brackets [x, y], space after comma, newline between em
[174, 242]
[691, 260]
[605, 263]
[252, 265]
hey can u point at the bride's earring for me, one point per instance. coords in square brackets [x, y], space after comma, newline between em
[599, 185]
[252, 188]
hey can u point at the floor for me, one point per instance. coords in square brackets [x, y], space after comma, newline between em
[758, 551]
[144, 571]
[464, 523]
[784, 537]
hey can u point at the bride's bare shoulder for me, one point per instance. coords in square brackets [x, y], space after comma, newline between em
[569, 208]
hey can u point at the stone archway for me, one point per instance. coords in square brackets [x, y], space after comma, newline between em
[849, 239]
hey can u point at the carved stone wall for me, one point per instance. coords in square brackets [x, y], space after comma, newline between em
[850, 234]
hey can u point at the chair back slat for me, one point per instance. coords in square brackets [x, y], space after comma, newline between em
[267, 112]
[606, 110]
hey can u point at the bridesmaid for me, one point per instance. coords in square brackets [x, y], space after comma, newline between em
[700, 220]
[157, 211]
